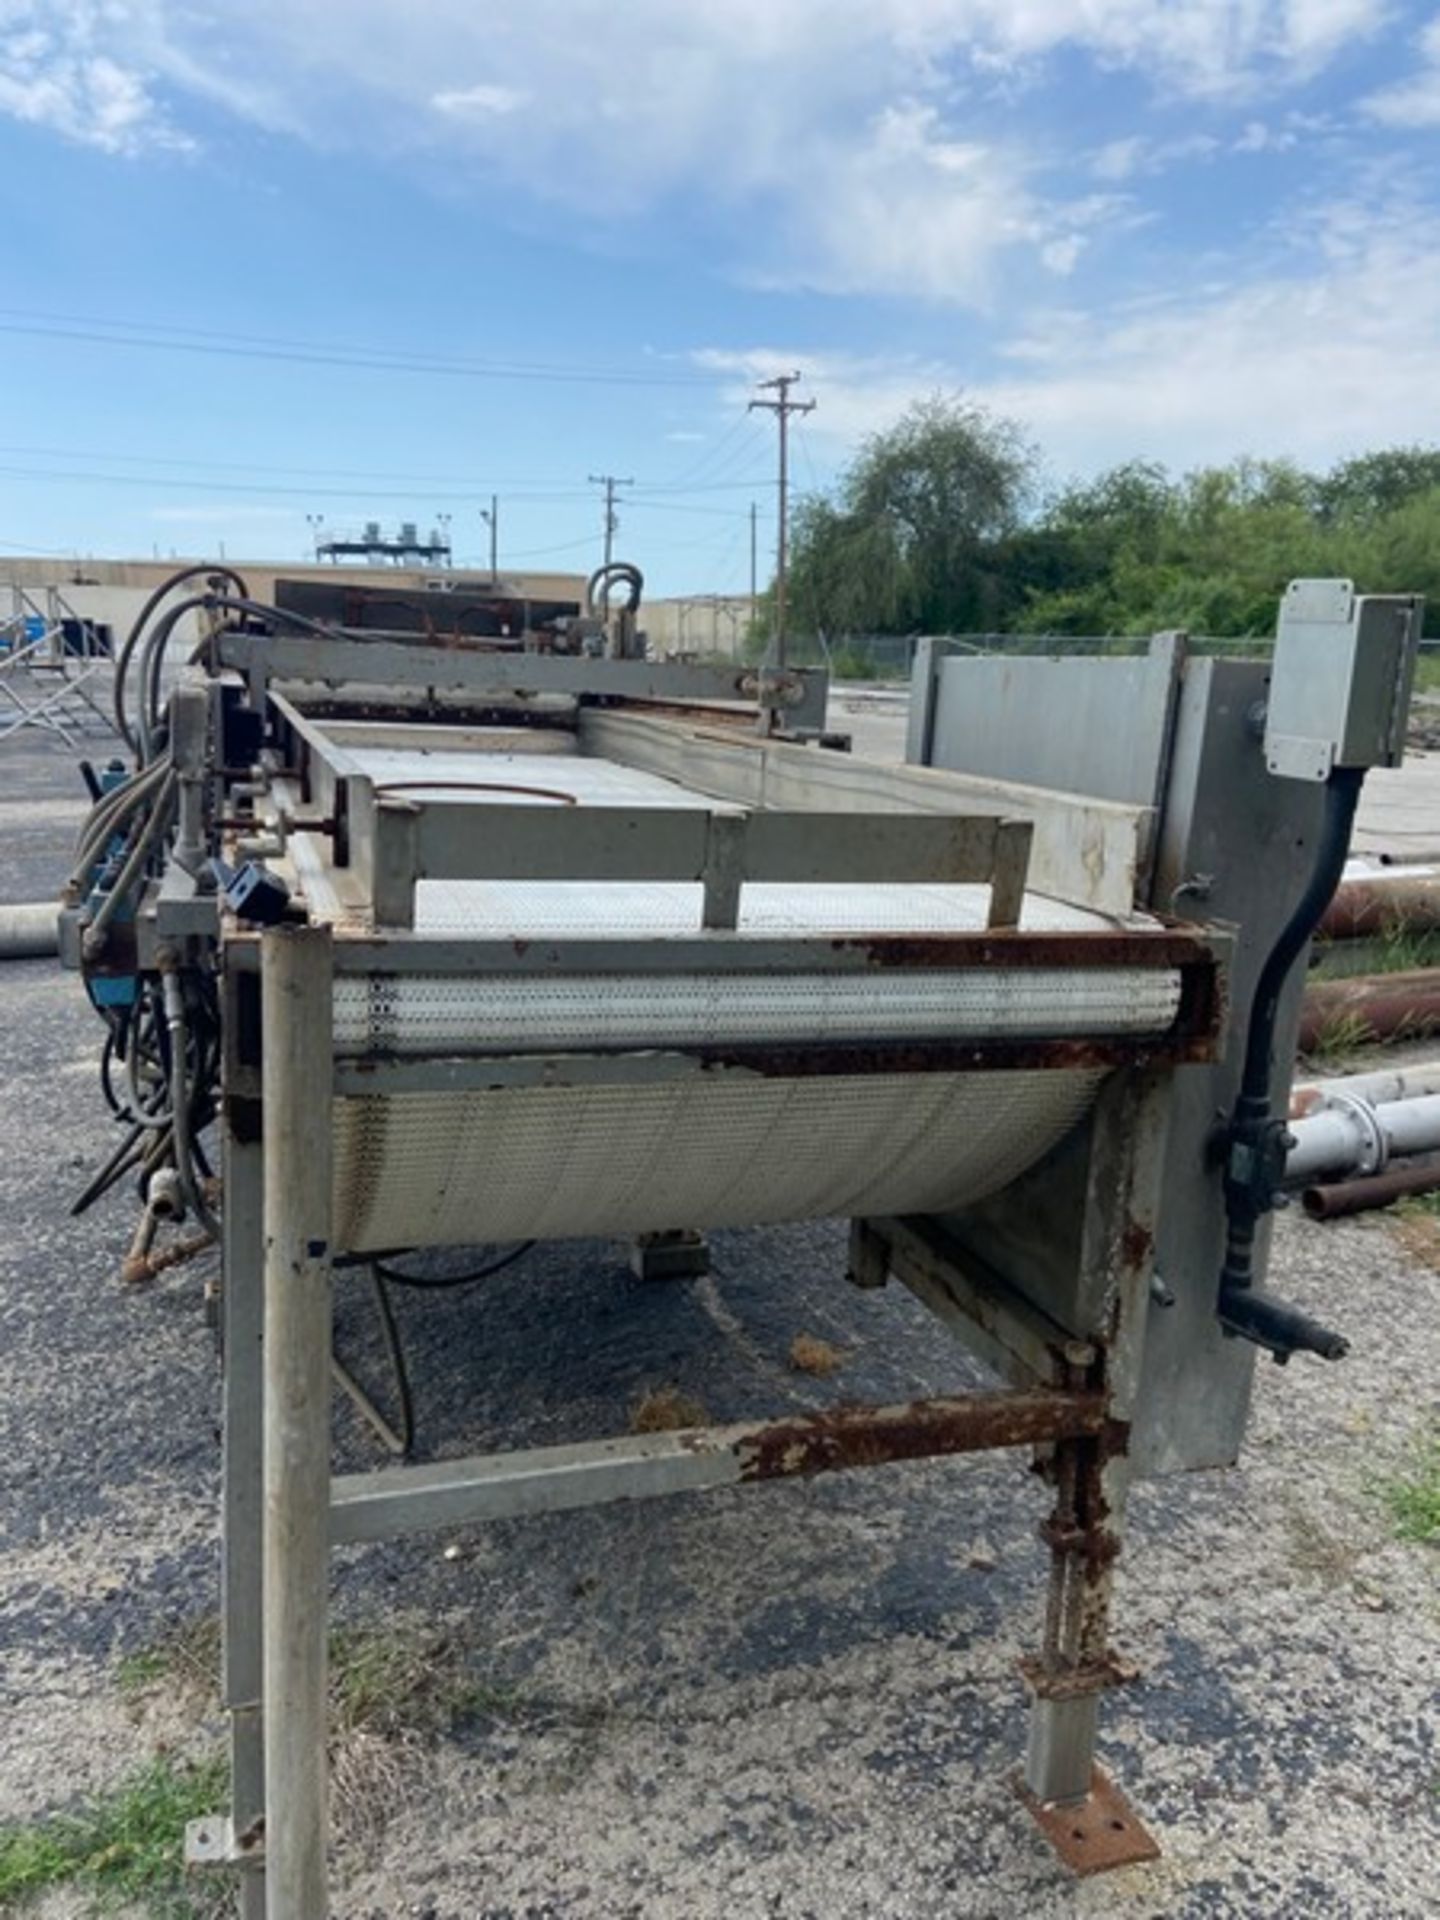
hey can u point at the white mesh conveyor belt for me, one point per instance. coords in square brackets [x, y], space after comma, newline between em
[710, 1149]
[454, 1169]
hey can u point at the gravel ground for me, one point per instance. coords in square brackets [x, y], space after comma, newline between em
[796, 1701]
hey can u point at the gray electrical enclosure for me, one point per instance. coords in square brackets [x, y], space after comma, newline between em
[1341, 679]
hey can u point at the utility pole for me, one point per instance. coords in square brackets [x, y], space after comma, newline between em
[753, 516]
[610, 481]
[782, 406]
[492, 520]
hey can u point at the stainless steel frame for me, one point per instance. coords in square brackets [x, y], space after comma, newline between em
[780, 811]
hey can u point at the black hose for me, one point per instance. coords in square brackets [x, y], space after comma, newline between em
[396, 1278]
[390, 1330]
[142, 620]
[617, 571]
[130, 1150]
[1256, 1141]
[1342, 796]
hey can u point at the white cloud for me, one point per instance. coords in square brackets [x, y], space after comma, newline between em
[1413, 103]
[1119, 159]
[830, 124]
[1256, 137]
[77, 68]
[1315, 364]
[1060, 255]
[1125, 159]
[480, 100]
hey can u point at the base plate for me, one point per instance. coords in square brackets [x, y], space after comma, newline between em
[1094, 1834]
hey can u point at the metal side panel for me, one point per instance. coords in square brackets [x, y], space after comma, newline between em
[1087, 851]
[1236, 845]
[1055, 721]
[1069, 724]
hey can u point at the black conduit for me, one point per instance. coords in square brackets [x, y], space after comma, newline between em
[1257, 1143]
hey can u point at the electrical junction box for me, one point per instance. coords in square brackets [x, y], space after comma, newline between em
[1340, 683]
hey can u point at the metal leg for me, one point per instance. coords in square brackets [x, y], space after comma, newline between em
[1060, 1758]
[297, 1065]
[242, 1304]
[1088, 1821]
[1076, 1665]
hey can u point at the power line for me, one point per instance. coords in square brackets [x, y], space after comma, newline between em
[126, 333]
[94, 477]
[782, 406]
[533, 489]
[566, 546]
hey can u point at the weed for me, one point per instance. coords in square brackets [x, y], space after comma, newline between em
[1413, 1496]
[123, 1844]
[188, 1658]
[392, 1695]
[666, 1410]
[1407, 949]
[811, 1355]
[1339, 1036]
[1318, 1548]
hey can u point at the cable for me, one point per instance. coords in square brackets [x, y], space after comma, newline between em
[180, 1103]
[302, 353]
[390, 1330]
[396, 1278]
[142, 620]
[130, 1149]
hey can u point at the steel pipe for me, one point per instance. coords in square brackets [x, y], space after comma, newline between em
[1401, 899]
[29, 931]
[1331, 1202]
[1381, 1005]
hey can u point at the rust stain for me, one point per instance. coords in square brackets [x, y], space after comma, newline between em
[946, 1056]
[1016, 948]
[1093, 1835]
[1137, 1243]
[873, 1436]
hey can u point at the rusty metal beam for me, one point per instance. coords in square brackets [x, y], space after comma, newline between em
[402, 1500]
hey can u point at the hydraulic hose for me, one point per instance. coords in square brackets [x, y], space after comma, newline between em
[205, 570]
[145, 843]
[106, 820]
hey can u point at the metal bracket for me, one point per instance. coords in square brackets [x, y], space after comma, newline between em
[1094, 1834]
[212, 1845]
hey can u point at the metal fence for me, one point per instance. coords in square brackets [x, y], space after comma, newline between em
[890, 656]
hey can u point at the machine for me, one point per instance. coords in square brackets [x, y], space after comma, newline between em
[503, 935]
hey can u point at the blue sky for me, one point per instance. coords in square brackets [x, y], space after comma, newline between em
[384, 258]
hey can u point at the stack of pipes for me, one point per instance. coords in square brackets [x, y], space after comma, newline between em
[1385, 903]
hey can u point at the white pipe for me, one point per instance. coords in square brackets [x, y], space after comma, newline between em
[1358, 1136]
[29, 930]
[1389, 1083]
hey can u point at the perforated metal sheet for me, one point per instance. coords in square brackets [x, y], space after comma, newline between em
[439, 1169]
[418, 1013]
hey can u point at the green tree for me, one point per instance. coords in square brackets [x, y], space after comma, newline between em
[914, 542]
